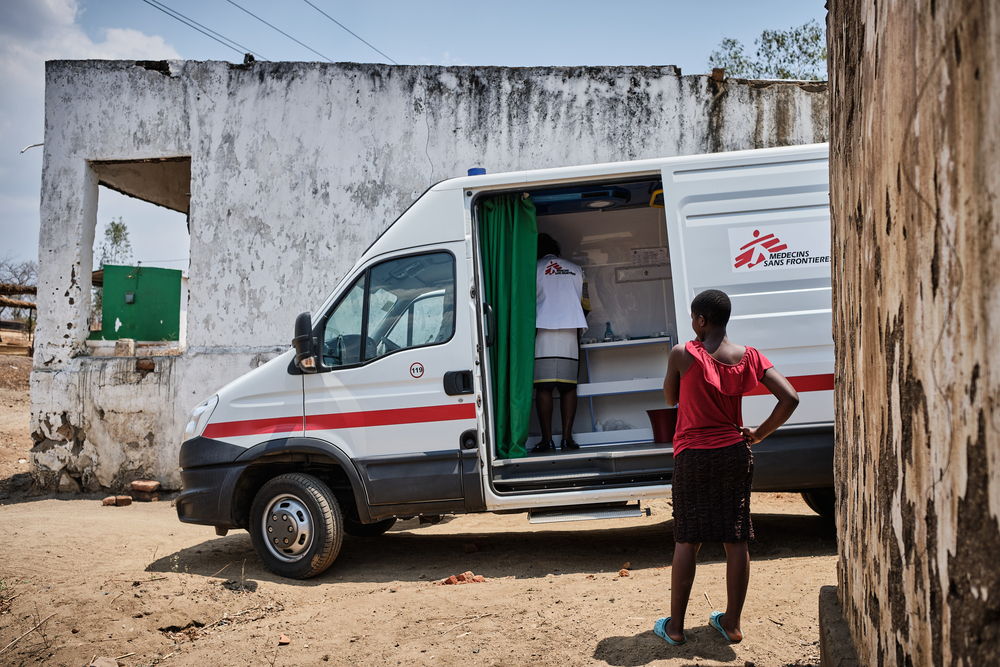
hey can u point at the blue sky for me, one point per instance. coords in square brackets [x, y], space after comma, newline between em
[417, 33]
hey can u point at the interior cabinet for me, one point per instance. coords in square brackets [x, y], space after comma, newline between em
[623, 380]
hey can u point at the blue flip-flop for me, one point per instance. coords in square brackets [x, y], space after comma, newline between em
[660, 630]
[714, 619]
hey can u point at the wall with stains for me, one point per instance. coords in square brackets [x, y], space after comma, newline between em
[915, 89]
[295, 169]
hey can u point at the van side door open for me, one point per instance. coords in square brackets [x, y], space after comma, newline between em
[395, 390]
[757, 226]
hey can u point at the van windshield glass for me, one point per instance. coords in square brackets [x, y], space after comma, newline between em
[342, 334]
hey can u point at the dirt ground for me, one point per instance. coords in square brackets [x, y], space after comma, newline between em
[15, 438]
[78, 580]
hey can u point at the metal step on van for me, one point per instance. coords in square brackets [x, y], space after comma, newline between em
[395, 398]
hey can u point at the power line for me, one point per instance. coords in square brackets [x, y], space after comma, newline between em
[181, 17]
[279, 30]
[381, 53]
[192, 26]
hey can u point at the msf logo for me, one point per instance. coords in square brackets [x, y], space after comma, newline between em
[554, 268]
[758, 250]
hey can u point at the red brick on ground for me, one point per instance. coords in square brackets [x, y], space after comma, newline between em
[467, 577]
[145, 485]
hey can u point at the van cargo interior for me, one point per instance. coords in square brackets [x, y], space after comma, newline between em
[616, 232]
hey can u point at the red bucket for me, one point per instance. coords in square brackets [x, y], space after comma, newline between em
[664, 422]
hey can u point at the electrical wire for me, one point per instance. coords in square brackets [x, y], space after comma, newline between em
[178, 15]
[373, 47]
[274, 27]
[191, 25]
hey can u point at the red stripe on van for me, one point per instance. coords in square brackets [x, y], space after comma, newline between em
[253, 427]
[433, 413]
[821, 382]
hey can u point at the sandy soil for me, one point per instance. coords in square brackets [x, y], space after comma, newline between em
[15, 438]
[135, 584]
[132, 580]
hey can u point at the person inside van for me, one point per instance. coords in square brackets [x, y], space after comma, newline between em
[559, 319]
[713, 465]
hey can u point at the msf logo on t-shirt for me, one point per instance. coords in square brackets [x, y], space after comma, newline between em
[554, 268]
[758, 250]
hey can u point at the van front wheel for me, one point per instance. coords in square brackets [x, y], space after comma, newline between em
[296, 526]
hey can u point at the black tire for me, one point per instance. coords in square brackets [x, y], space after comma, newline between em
[822, 501]
[358, 529]
[302, 513]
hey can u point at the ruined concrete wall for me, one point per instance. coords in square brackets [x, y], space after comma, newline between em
[295, 169]
[915, 149]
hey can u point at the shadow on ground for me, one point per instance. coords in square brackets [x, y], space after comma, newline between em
[410, 554]
[645, 647]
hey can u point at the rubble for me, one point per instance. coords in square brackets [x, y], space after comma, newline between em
[467, 577]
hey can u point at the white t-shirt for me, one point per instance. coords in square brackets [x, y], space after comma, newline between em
[559, 289]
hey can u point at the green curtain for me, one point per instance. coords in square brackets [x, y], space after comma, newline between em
[509, 233]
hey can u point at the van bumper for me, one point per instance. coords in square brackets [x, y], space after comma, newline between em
[795, 458]
[208, 479]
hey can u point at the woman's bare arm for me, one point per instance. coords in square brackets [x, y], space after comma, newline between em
[672, 381]
[788, 400]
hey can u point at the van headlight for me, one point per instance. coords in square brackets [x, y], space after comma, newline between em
[199, 418]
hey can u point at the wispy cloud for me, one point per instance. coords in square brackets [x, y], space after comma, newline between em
[31, 32]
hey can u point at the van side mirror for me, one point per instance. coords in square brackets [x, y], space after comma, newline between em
[304, 344]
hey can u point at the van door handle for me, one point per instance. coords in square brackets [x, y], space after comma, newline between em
[458, 382]
[490, 322]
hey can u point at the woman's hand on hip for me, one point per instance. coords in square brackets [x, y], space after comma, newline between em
[750, 435]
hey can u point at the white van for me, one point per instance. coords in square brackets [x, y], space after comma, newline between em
[389, 405]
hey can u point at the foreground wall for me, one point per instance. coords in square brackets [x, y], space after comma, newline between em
[295, 169]
[915, 149]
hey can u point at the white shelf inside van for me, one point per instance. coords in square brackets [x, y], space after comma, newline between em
[623, 437]
[624, 343]
[614, 387]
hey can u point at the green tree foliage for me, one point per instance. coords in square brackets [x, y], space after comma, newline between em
[796, 53]
[116, 248]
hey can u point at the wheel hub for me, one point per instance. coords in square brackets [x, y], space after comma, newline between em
[287, 527]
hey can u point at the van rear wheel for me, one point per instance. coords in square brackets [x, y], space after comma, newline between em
[822, 501]
[296, 526]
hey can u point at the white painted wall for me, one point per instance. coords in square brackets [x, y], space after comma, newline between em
[295, 169]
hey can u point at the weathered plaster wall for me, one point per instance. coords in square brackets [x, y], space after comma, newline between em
[915, 89]
[295, 169]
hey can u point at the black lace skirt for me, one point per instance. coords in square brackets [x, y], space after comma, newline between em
[711, 494]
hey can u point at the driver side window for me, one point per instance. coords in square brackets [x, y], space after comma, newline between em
[342, 335]
[400, 303]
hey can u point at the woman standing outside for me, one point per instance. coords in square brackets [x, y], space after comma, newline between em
[713, 465]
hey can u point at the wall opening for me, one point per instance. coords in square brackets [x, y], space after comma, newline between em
[139, 282]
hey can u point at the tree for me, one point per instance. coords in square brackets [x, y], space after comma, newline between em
[16, 272]
[796, 53]
[116, 248]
